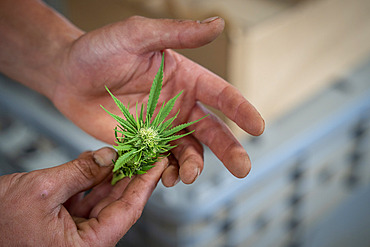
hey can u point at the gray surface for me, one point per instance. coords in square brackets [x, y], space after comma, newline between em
[348, 225]
[315, 141]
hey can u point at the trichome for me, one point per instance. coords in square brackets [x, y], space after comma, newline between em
[142, 140]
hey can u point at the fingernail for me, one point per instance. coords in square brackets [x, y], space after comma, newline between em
[209, 20]
[198, 173]
[177, 181]
[105, 156]
[164, 161]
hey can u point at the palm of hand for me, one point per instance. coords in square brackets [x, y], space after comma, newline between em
[126, 59]
[49, 207]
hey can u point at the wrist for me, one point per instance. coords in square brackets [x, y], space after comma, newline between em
[34, 40]
[51, 71]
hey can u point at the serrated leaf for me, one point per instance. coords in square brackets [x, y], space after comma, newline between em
[137, 150]
[142, 113]
[117, 177]
[123, 147]
[131, 140]
[115, 133]
[125, 124]
[123, 108]
[138, 157]
[138, 124]
[163, 113]
[122, 160]
[176, 129]
[147, 167]
[125, 133]
[175, 137]
[154, 93]
[166, 148]
[155, 122]
[163, 126]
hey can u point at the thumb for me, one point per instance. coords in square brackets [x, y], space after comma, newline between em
[81, 174]
[160, 34]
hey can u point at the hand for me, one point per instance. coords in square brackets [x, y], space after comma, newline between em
[47, 207]
[125, 56]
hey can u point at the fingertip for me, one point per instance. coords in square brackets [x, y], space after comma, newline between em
[178, 34]
[161, 164]
[215, 26]
[105, 156]
[242, 170]
[170, 177]
[263, 126]
[215, 21]
[259, 126]
[164, 162]
[189, 173]
[249, 119]
[238, 163]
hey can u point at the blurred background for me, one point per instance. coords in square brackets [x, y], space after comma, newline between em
[305, 65]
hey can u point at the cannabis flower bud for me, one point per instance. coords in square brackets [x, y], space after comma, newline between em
[141, 141]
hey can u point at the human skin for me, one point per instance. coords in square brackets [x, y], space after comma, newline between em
[48, 208]
[44, 51]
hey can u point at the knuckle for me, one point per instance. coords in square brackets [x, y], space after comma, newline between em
[134, 209]
[137, 214]
[135, 18]
[85, 154]
[86, 167]
[38, 185]
[133, 203]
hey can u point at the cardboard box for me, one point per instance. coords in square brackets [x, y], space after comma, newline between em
[278, 53]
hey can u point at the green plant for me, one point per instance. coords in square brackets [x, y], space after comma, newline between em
[142, 140]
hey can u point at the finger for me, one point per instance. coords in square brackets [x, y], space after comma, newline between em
[114, 195]
[82, 207]
[213, 91]
[159, 34]
[189, 154]
[217, 136]
[85, 154]
[73, 204]
[81, 174]
[170, 176]
[118, 217]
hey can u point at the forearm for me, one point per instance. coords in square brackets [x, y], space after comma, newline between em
[33, 40]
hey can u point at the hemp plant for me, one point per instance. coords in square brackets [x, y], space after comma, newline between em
[142, 140]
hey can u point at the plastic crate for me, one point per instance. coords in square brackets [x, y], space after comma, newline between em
[301, 170]
[305, 165]
[34, 116]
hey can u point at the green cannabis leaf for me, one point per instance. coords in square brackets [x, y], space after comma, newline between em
[141, 141]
